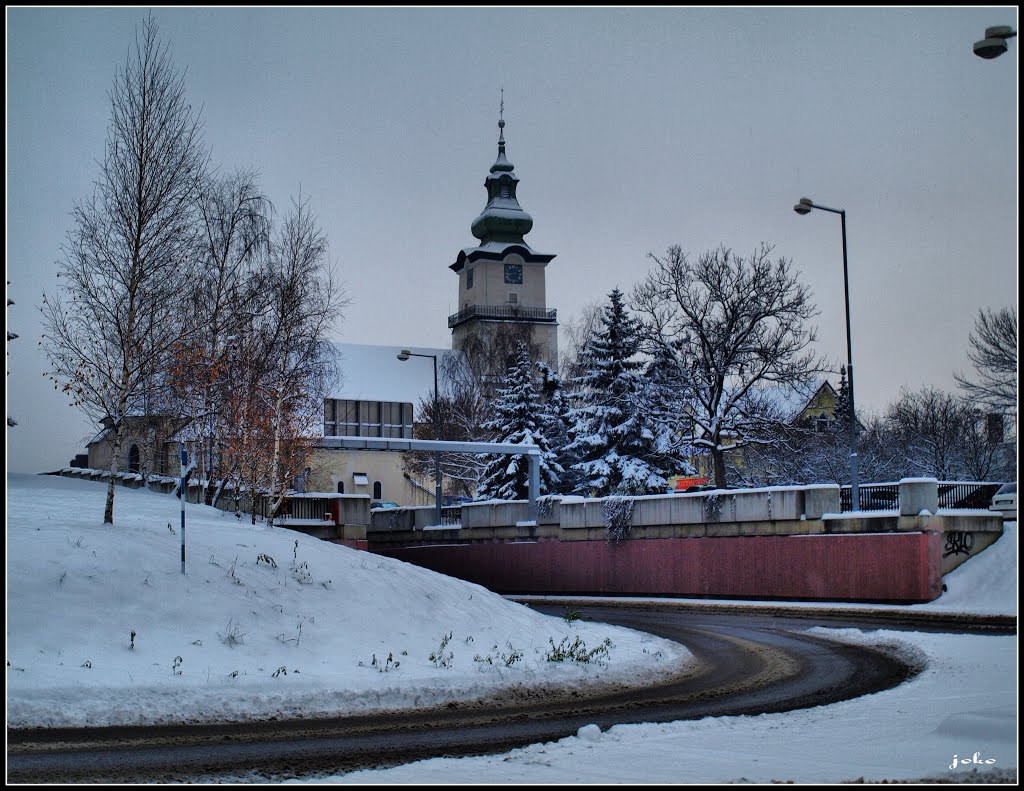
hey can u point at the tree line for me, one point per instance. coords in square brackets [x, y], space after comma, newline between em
[182, 294]
[712, 356]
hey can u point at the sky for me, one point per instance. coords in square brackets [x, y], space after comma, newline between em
[239, 637]
[630, 129]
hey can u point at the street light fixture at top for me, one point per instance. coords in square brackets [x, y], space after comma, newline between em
[994, 43]
[804, 206]
[404, 355]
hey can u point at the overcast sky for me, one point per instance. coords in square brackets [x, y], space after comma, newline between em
[630, 129]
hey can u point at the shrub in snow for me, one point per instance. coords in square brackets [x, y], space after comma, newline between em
[618, 517]
[439, 657]
[233, 637]
[577, 651]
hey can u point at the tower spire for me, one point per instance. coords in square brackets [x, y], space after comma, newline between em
[501, 164]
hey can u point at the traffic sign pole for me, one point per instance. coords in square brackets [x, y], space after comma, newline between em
[184, 463]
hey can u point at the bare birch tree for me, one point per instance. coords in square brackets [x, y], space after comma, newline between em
[304, 301]
[128, 260]
[737, 326]
[235, 228]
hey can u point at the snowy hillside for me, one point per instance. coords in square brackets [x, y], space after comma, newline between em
[266, 622]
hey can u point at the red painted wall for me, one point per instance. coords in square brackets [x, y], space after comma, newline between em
[899, 567]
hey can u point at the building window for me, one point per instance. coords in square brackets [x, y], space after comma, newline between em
[377, 490]
[360, 479]
[133, 459]
[341, 487]
[330, 417]
[367, 418]
[469, 278]
[513, 298]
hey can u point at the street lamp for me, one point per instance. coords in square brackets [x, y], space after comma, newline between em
[994, 43]
[404, 355]
[804, 207]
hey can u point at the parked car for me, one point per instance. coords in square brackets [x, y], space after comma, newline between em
[1005, 500]
[384, 504]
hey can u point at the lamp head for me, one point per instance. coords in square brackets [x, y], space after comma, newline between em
[404, 355]
[994, 43]
[804, 206]
[990, 48]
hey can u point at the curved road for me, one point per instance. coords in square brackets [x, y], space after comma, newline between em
[748, 664]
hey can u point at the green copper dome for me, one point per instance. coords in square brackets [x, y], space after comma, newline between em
[503, 219]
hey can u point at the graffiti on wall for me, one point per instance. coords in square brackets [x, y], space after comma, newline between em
[958, 543]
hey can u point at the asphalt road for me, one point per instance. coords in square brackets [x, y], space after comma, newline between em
[749, 663]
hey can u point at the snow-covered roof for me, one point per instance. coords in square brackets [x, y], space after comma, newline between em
[374, 373]
[102, 435]
[792, 400]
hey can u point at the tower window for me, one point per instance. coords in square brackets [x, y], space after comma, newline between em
[469, 278]
[513, 298]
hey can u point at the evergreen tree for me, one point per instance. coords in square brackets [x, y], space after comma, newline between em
[518, 419]
[613, 443]
[664, 394]
[842, 408]
[556, 424]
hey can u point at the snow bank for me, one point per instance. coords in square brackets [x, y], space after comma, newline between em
[104, 629]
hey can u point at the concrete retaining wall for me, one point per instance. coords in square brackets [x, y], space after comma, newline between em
[901, 567]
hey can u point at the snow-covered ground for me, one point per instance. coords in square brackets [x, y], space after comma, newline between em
[102, 627]
[218, 643]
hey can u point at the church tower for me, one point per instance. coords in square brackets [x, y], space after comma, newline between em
[501, 280]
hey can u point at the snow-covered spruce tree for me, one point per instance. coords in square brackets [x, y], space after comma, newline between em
[612, 439]
[556, 424]
[664, 394]
[518, 418]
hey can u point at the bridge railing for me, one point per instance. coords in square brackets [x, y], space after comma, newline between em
[952, 494]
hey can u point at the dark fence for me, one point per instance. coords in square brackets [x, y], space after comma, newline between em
[451, 515]
[952, 494]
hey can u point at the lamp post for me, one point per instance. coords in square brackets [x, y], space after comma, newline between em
[803, 207]
[404, 355]
[994, 43]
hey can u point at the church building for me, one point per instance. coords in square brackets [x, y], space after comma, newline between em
[502, 300]
[501, 280]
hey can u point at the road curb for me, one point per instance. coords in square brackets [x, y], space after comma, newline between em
[960, 622]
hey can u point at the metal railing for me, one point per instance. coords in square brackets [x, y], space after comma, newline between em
[952, 494]
[873, 497]
[451, 515]
[502, 312]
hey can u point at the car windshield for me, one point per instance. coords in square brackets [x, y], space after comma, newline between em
[1007, 488]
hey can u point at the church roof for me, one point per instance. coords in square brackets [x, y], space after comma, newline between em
[503, 222]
